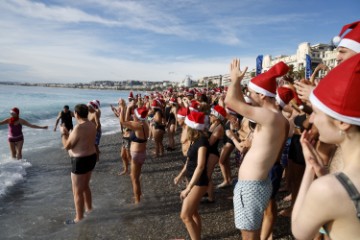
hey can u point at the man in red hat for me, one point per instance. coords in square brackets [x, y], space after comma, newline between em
[349, 44]
[253, 189]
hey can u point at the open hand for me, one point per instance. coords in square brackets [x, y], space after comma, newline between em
[235, 73]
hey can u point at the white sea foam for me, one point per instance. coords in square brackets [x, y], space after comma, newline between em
[11, 172]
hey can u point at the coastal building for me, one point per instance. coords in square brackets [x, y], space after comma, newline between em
[319, 53]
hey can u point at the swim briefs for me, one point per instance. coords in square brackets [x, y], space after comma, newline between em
[82, 165]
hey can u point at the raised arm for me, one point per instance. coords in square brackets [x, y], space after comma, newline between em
[235, 98]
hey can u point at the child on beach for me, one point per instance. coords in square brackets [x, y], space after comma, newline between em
[15, 135]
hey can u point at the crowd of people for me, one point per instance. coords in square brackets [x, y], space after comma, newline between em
[303, 133]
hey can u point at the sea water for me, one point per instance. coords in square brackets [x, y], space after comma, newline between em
[40, 106]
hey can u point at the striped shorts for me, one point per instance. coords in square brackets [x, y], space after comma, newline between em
[250, 200]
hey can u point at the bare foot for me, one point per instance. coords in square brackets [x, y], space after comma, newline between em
[285, 212]
[123, 172]
[287, 198]
[223, 185]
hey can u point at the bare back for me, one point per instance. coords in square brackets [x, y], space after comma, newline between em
[267, 143]
[82, 139]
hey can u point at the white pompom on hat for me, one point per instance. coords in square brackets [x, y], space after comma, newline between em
[195, 120]
[265, 83]
[337, 94]
[351, 40]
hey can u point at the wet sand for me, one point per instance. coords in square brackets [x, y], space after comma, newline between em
[37, 207]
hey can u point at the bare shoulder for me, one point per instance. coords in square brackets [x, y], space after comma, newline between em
[328, 187]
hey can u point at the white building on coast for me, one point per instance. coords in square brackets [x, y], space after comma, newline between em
[319, 53]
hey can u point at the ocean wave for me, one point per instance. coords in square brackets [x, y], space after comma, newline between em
[11, 172]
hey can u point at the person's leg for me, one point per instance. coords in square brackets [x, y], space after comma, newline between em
[157, 140]
[19, 146]
[250, 235]
[225, 164]
[87, 193]
[171, 136]
[135, 179]
[269, 220]
[125, 161]
[97, 152]
[79, 184]
[161, 145]
[12, 149]
[212, 161]
[189, 208]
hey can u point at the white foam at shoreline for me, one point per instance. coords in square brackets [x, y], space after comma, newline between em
[11, 172]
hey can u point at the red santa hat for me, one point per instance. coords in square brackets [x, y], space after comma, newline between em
[189, 93]
[172, 100]
[93, 105]
[219, 112]
[195, 120]
[15, 110]
[265, 83]
[351, 40]
[194, 105]
[156, 104]
[131, 95]
[182, 112]
[141, 113]
[96, 102]
[337, 94]
[284, 95]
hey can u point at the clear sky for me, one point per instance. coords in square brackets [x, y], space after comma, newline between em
[85, 40]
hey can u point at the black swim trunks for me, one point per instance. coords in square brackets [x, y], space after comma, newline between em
[82, 165]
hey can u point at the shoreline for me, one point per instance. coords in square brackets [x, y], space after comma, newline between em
[37, 207]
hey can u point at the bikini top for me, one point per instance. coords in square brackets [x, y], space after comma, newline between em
[134, 138]
[351, 190]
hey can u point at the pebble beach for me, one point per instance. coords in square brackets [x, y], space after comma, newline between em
[37, 207]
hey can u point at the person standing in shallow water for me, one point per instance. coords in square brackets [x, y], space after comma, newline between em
[81, 148]
[15, 135]
[66, 118]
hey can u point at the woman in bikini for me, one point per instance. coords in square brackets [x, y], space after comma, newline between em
[125, 148]
[138, 137]
[332, 201]
[15, 135]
